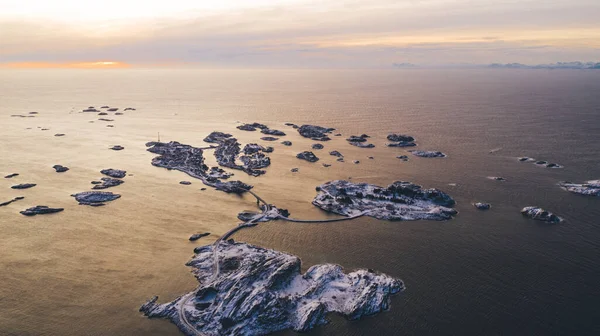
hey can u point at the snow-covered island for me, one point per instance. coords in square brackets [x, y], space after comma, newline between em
[398, 201]
[589, 188]
[248, 290]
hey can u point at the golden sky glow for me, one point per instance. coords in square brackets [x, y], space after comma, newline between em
[372, 33]
[78, 65]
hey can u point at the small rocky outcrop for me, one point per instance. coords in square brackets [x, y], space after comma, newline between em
[315, 132]
[427, 154]
[496, 178]
[402, 157]
[269, 138]
[108, 182]
[286, 143]
[336, 153]
[105, 119]
[317, 146]
[398, 201]
[526, 159]
[260, 291]
[117, 147]
[537, 213]
[482, 206]
[115, 173]
[11, 175]
[129, 109]
[40, 210]
[59, 134]
[24, 186]
[588, 188]
[102, 113]
[294, 170]
[252, 127]
[197, 236]
[104, 107]
[113, 109]
[272, 132]
[11, 201]
[308, 156]
[217, 137]
[356, 162]
[95, 198]
[185, 182]
[326, 165]
[360, 141]
[60, 168]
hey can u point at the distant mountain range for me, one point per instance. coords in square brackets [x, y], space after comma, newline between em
[559, 65]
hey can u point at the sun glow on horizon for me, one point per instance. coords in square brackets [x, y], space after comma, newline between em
[72, 65]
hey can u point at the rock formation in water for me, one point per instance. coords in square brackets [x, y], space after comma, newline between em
[526, 159]
[113, 109]
[286, 143]
[336, 153]
[185, 182]
[360, 141]
[317, 146]
[252, 127]
[60, 168]
[427, 154]
[129, 109]
[59, 134]
[95, 198]
[315, 132]
[11, 201]
[540, 214]
[589, 188]
[402, 157]
[308, 156]
[115, 173]
[189, 159]
[108, 182]
[252, 161]
[482, 206]
[272, 132]
[117, 147]
[40, 210]
[400, 138]
[11, 175]
[496, 178]
[24, 186]
[217, 137]
[197, 236]
[398, 201]
[269, 138]
[258, 291]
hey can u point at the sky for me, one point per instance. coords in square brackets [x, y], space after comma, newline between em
[296, 33]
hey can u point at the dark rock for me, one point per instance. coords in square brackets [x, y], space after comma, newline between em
[482, 206]
[400, 138]
[110, 126]
[104, 107]
[340, 159]
[90, 110]
[286, 143]
[12, 200]
[294, 170]
[40, 210]
[59, 134]
[496, 178]
[526, 159]
[24, 186]
[102, 113]
[317, 146]
[108, 182]
[11, 175]
[33, 113]
[269, 139]
[45, 129]
[113, 109]
[60, 169]
[371, 158]
[308, 156]
[315, 132]
[96, 182]
[117, 147]
[217, 137]
[104, 119]
[197, 236]
[326, 165]
[116, 173]
[553, 165]
[202, 189]
[356, 162]
[129, 109]
[246, 127]
[268, 149]
[427, 154]
[119, 113]
[354, 138]
[272, 132]
[401, 144]
[95, 198]
[185, 182]
[336, 153]
[540, 214]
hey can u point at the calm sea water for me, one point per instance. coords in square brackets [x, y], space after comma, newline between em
[87, 270]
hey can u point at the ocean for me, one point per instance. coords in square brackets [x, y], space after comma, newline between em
[87, 270]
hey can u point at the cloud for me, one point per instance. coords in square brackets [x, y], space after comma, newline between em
[353, 32]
